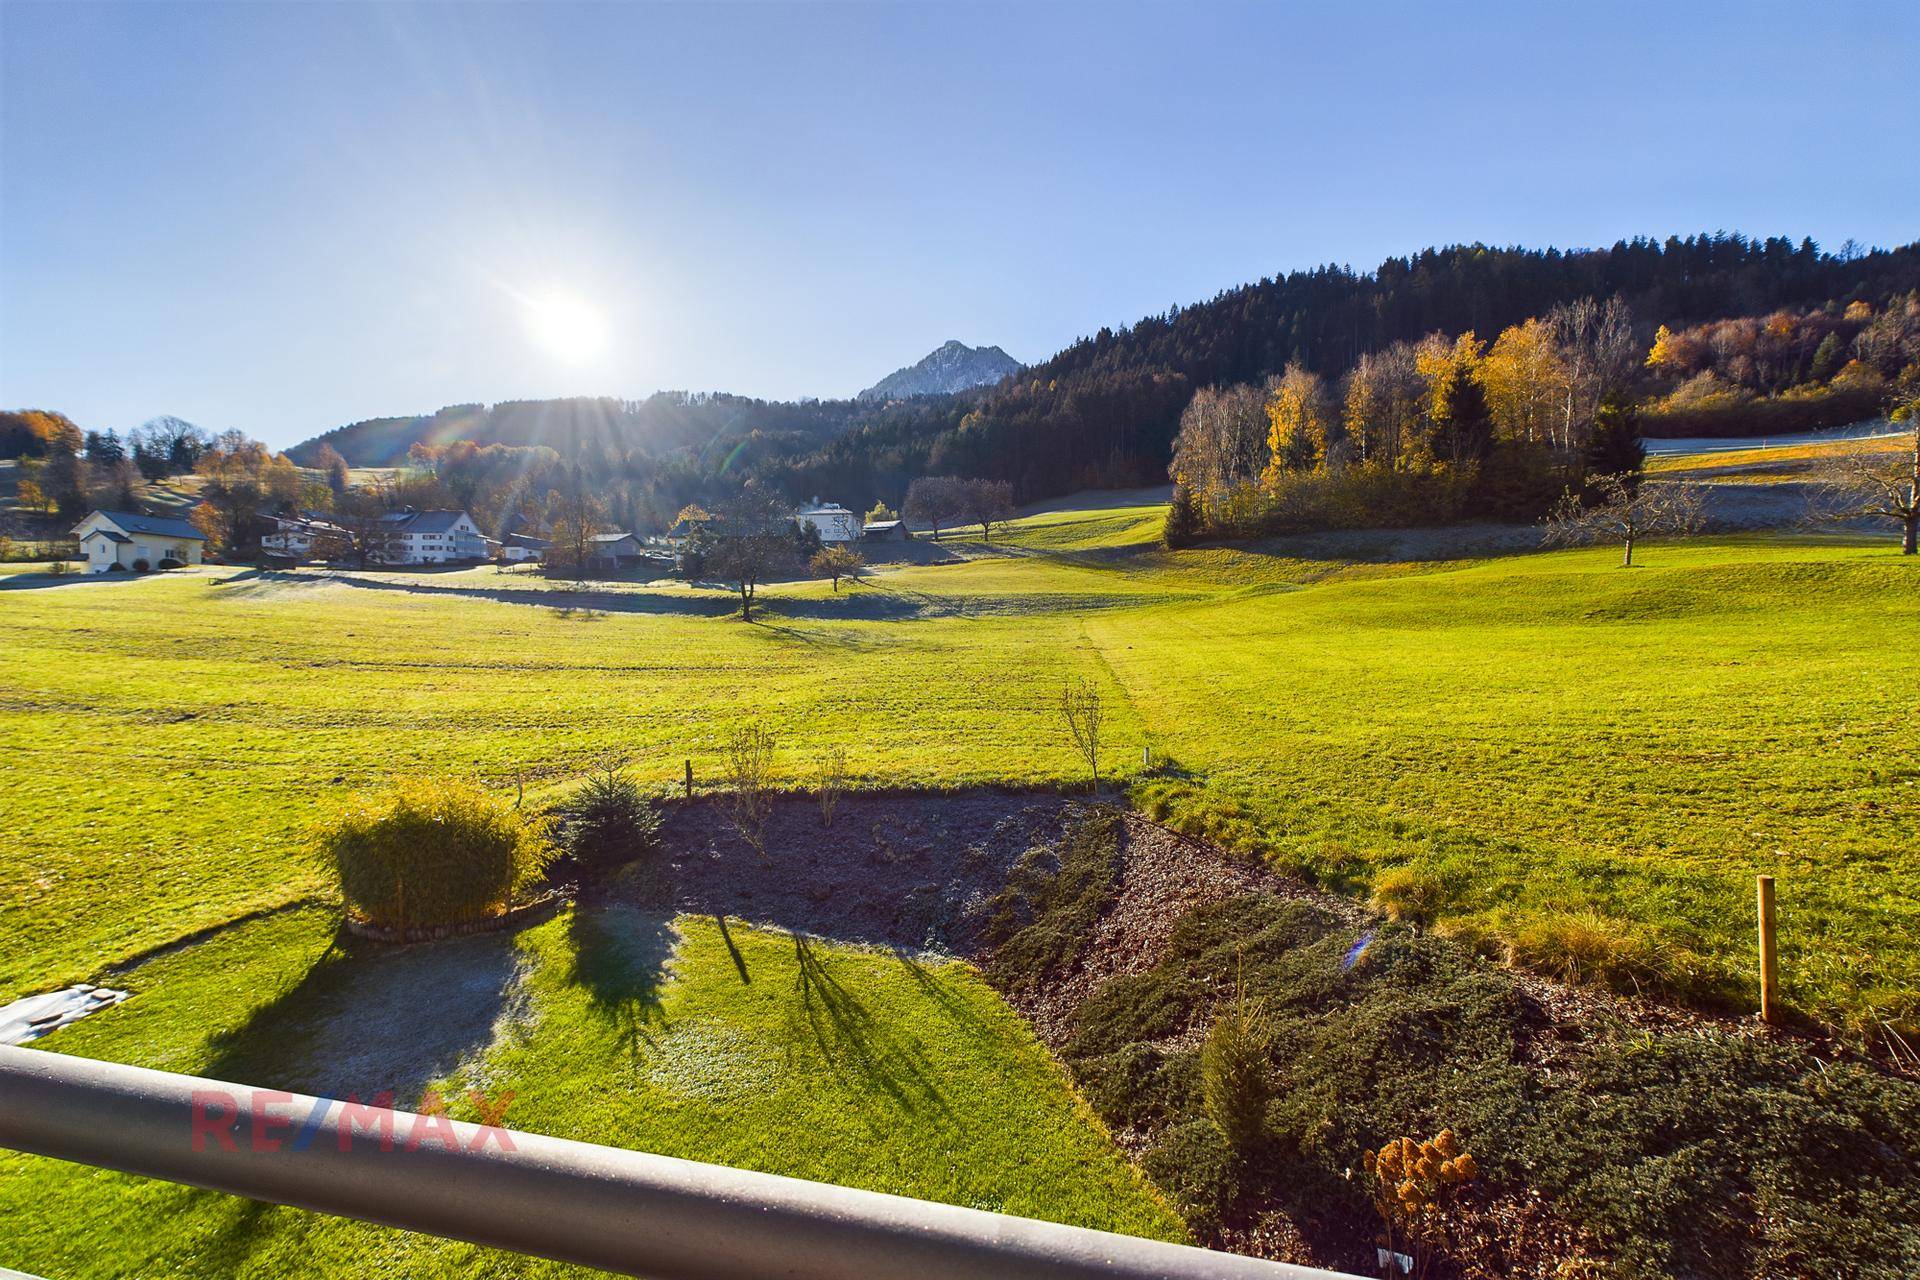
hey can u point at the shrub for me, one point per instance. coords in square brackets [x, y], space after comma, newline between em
[141, 565]
[1409, 895]
[116, 567]
[170, 563]
[833, 782]
[747, 798]
[1234, 1084]
[608, 822]
[1044, 918]
[434, 852]
[1412, 1185]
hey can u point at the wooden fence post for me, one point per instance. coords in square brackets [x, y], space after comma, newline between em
[689, 779]
[1769, 955]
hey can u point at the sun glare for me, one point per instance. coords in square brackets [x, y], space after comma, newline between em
[567, 327]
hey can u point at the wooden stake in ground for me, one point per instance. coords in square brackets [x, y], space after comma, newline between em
[689, 779]
[1769, 956]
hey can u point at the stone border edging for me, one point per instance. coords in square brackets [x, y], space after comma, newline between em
[525, 913]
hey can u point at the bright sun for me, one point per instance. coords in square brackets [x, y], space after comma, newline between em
[566, 326]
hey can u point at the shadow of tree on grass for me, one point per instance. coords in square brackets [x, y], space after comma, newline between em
[366, 1019]
[620, 959]
[857, 1046]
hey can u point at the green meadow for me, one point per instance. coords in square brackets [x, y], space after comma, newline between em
[1542, 733]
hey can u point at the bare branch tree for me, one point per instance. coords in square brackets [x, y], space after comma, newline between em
[990, 503]
[833, 782]
[1626, 510]
[1080, 708]
[1867, 482]
[746, 800]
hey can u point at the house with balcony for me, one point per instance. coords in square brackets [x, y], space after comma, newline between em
[834, 523]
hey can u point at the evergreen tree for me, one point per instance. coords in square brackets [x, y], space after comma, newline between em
[1827, 358]
[1462, 422]
[1184, 521]
[1615, 449]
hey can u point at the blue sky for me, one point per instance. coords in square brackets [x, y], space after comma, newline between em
[283, 217]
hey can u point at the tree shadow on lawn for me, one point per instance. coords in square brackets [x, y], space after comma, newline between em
[575, 602]
[621, 960]
[367, 1019]
[877, 605]
[858, 1047]
[42, 581]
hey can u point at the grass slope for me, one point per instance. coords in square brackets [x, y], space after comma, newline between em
[754, 1048]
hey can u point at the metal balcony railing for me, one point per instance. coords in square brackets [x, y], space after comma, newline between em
[621, 1211]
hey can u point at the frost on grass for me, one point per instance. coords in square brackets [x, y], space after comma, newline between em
[712, 1061]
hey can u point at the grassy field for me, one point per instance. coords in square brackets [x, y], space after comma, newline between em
[752, 1047]
[1775, 463]
[1546, 733]
[1545, 730]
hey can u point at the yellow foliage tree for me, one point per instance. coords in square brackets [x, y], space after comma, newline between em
[1523, 378]
[1664, 355]
[1435, 358]
[1300, 422]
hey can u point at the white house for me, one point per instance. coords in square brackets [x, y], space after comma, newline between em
[517, 547]
[834, 522]
[109, 538]
[430, 537]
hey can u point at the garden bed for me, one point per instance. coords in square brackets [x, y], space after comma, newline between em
[1613, 1135]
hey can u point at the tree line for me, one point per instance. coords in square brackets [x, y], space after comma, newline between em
[1104, 412]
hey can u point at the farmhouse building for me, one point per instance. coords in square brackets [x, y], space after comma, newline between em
[615, 550]
[518, 547]
[833, 522]
[886, 531]
[136, 542]
[296, 537]
[430, 537]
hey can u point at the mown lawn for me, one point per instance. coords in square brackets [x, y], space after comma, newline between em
[750, 1047]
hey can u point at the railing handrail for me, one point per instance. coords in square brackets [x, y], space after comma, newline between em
[622, 1211]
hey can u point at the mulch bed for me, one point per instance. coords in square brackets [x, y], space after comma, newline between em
[916, 871]
[908, 871]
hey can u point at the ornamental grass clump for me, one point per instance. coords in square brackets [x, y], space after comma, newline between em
[1410, 895]
[434, 852]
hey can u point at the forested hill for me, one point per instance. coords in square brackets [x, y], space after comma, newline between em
[707, 427]
[1104, 411]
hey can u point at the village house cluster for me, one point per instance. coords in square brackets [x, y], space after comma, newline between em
[120, 540]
